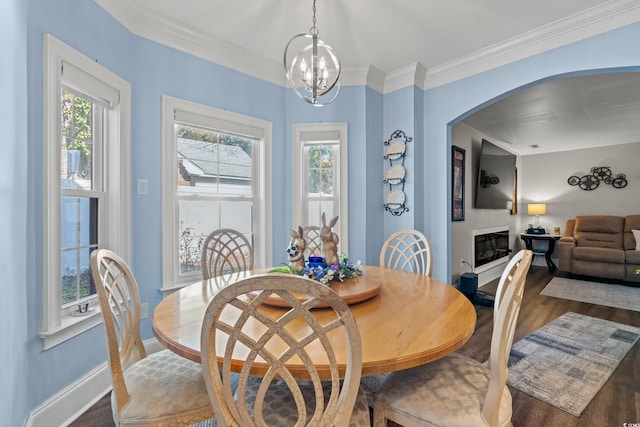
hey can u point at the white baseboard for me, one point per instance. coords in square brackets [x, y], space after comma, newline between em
[68, 404]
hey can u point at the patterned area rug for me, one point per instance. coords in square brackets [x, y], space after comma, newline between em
[619, 296]
[567, 361]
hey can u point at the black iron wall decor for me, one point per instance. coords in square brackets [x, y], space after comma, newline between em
[487, 180]
[598, 174]
[395, 152]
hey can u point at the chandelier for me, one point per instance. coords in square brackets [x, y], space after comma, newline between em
[314, 72]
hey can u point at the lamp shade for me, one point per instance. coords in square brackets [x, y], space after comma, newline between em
[537, 208]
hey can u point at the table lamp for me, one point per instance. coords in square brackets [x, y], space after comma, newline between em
[537, 209]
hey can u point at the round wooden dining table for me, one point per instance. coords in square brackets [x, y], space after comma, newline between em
[409, 320]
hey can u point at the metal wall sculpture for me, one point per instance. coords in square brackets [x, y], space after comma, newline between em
[598, 174]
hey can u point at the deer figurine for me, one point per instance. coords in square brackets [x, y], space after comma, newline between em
[296, 248]
[330, 241]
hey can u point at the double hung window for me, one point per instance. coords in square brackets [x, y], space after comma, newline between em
[320, 176]
[215, 176]
[85, 183]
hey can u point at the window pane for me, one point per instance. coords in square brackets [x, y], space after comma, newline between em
[237, 215]
[196, 220]
[213, 163]
[316, 208]
[79, 235]
[320, 159]
[76, 275]
[76, 160]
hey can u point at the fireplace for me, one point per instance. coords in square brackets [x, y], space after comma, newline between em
[490, 247]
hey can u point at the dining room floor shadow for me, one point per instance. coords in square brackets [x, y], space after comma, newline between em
[614, 405]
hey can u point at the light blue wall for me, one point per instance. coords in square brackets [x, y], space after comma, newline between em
[372, 227]
[399, 114]
[154, 70]
[446, 104]
[350, 107]
[14, 194]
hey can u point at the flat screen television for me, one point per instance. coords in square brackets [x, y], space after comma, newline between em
[496, 178]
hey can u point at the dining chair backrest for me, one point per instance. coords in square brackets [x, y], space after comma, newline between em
[502, 338]
[407, 250]
[225, 251]
[120, 302]
[505, 280]
[314, 242]
[285, 336]
[155, 390]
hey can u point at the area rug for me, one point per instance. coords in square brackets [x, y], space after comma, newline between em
[567, 361]
[611, 295]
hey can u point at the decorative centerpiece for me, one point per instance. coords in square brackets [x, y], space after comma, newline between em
[330, 241]
[324, 269]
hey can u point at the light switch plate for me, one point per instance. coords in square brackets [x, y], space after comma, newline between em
[143, 187]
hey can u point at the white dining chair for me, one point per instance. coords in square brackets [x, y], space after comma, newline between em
[407, 250]
[160, 389]
[457, 390]
[225, 251]
[505, 279]
[281, 399]
[314, 241]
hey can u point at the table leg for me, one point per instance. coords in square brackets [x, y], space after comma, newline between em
[547, 256]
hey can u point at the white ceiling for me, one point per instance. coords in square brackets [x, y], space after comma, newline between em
[449, 39]
[566, 114]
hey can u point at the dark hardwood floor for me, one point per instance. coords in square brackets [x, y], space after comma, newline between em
[618, 402]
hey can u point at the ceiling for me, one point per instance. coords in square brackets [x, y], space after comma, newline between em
[447, 38]
[565, 114]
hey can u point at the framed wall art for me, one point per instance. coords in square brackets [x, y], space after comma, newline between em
[457, 184]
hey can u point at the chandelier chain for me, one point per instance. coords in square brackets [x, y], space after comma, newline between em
[313, 30]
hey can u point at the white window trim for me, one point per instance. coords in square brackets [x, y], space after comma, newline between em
[317, 130]
[262, 220]
[56, 327]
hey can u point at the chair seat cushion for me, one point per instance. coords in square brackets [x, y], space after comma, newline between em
[447, 392]
[280, 409]
[162, 385]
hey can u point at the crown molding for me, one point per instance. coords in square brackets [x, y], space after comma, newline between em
[161, 29]
[153, 26]
[597, 20]
[363, 75]
[409, 75]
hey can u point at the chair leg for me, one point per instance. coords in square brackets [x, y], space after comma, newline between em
[379, 419]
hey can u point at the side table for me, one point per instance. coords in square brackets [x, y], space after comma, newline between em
[550, 240]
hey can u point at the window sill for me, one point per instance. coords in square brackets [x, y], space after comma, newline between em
[69, 327]
[166, 291]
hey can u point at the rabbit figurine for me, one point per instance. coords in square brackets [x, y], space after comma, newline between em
[296, 248]
[330, 241]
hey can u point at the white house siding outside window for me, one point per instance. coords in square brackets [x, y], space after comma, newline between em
[86, 183]
[215, 176]
[320, 176]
